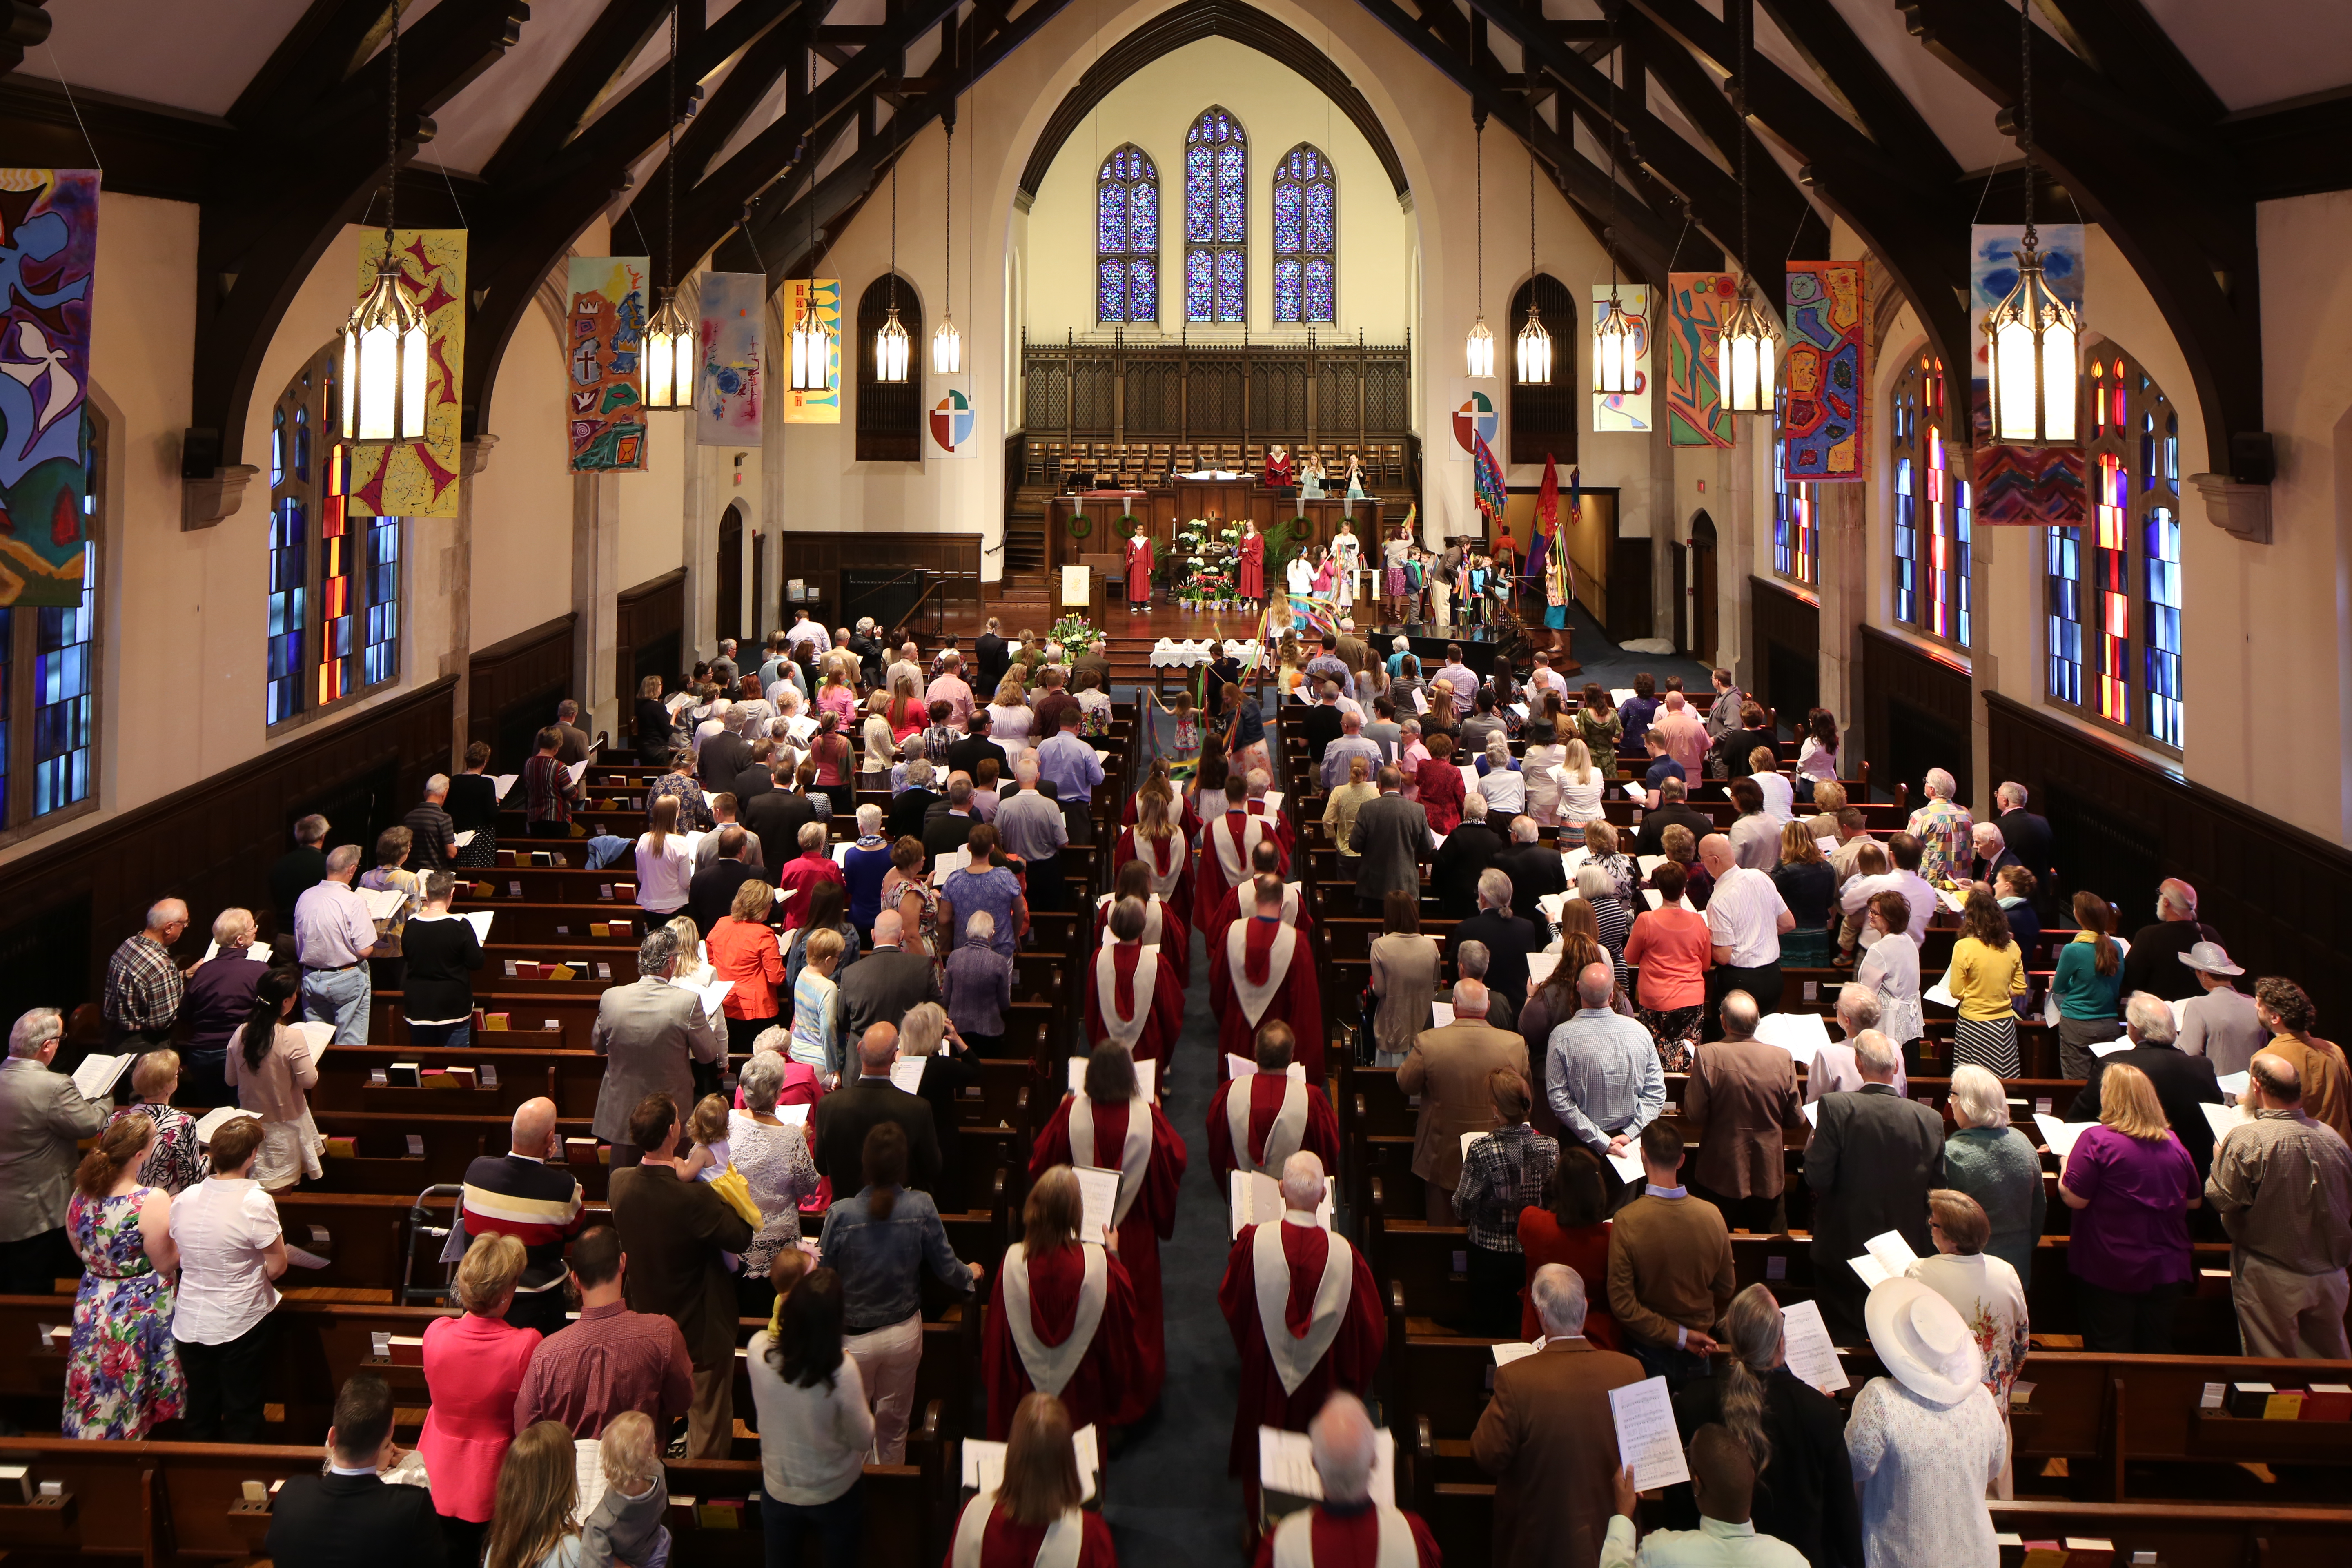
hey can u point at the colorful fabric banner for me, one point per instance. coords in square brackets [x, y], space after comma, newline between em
[953, 424]
[823, 405]
[2019, 485]
[419, 479]
[734, 335]
[1487, 480]
[1475, 420]
[606, 420]
[1630, 410]
[1695, 303]
[1825, 423]
[48, 263]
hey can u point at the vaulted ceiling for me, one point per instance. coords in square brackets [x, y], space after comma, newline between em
[2163, 121]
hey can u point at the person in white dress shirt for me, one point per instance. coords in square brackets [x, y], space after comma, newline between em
[1890, 968]
[1723, 1484]
[1833, 1067]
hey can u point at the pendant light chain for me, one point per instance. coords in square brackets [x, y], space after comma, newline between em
[670, 167]
[1478, 167]
[1746, 21]
[392, 126]
[946, 231]
[2025, 139]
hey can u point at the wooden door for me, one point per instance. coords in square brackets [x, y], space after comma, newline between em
[1703, 584]
[728, 619]
[760, 575]
[1681, 558]
[1631, 613]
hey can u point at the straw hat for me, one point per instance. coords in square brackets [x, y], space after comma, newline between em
[1921, 1339]
[2211, 957]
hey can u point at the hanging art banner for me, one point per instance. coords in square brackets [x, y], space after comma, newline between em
[1475, 420]
[419, 479]
[48, 262]
[606, 422]
[1630, 410]
[2019, 485]
[1695, 305]
[733, 335]
[822, 407]
[1825, 423]
[953, 424]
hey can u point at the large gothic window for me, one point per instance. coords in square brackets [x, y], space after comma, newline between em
[1796, 555]
[1216, 219]
[1931, 510]
[2113, 584]
[1127, 238]
[1306, 238]
[49, 675]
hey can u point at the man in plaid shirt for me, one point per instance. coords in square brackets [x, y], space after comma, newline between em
[143, 986]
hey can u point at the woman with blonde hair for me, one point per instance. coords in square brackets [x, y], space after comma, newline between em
[1580, 788]
[2131, 1185]
[1681, 846]
[915, 898]
[1541, 755]
[1341, 807]
[122, 1369]
[1068, 1286]
[878, 747]
[1808, 885]
[474, 1367]
[538, 1493]
[1032, 1515]
[1604, 847]
[664, 860]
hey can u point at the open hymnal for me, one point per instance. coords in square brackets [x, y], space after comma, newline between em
[258, 952]
[950, 862]
[2232, 1085]
[983, 1462]
[1144, 1073]
[480, 921]
[319, 1034]
[1257, 1199]
[2106, 1048]
[1826, 846]
[1539, 968]
[1441, 1013]
[579, 770]
[504, 783]
[1653, 897]
[1242, 1067]
[1098, 1194]
[1570, 859]
[1554, 906]
[1885, 1257]
[1647, 1441]
[1649, 864]
[214, 1120]
[711, 995]
[1940, 994]
[1805, 1344]
[96, 1076]
[465, 840]
[382, 903]
[2223, 1118]
[1285, 1464]
[1511, 1351]
[906, 1073]
[2058, 1136]
[1801, 1035]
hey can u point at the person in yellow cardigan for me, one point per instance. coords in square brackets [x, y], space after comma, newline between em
[1987, 978]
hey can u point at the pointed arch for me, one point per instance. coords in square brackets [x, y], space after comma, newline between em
[1216, 219]
[1126, 236]
[1306, 238]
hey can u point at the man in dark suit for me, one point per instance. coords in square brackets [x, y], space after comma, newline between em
[1874, 1159]
[2183, 1082]
[991, 657]
[1390, 840]
[1741, 1098]
[1533, 867]
[756, 779]
[2027, 836]
[884, 983]
[673, 1233]
[712, 892]
[1462, 858]
[723, 757]
[1509, 936]
[1672, 809]
[574, 747]
[966, 755]
[777, 815]
[349, 1517]
[946, 827]
[1322, 724]
[844, 1117]
[912, 807]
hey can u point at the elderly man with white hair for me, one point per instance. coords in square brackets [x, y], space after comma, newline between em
[1349, 742]
[2183, 1082]
[1746, 918]
[143, 986]
[1305, 1316]
[1602, 1079]
[2154, 964]
[1033, 828]
[1874, 1159]
[1357, 1524]
[1942, 827]
[1448, 1069]
[42, 1118]
[1834, 1068]
[334, 935]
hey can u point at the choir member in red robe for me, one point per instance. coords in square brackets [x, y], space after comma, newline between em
[1132, 998]
[1032, 1518]
[1279, 468]
[1164, 922]
[1265, 860]
[1261, 969]
[1061, 1318]
[1259, 1119]
[1305, 1316]
[1225, 845]
[1261, 805]
[1351, 1528]
[1161, 773]
[1139, 570]
[1160, 843]
[1112, 1127]
[1250, 554]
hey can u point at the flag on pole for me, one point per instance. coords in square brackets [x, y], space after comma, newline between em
[1547, 540]
[1488, 479]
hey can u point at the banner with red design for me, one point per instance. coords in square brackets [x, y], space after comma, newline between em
[419, 479]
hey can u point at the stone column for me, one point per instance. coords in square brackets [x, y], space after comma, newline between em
[1735, 560]
[1842, 514]
[457, 594]
[1984, 667]
[596, 598]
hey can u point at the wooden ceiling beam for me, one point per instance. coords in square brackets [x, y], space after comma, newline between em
[1843, 64]
[622, 31]
[22, 26]
[2129, 47]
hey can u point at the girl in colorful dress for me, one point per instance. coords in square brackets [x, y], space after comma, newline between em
[1395, 579]
[123, 1375]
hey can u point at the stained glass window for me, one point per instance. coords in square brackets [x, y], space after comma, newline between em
[334, 578]
[48, 679]
[1216, 213]
[1126, 236]
[1306, 238]
[2118, 575]
[1932, 505]
[1795, 555]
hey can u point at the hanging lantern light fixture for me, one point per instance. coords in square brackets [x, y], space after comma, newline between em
[671, 371]
[1533, 343]
[947, 344]
[1747, 348]
[814, 344]
[385, 340]
[1615, 348]
[892, 348]
[2032, 335]
[1479, 351]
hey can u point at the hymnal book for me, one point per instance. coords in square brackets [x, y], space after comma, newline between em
[2328, 1402]
[983, 1462]
[382, 903]
[1285, 1465]
[1242, 1067]
[258, 952]
[1507, 1352]
[907, 1072]
[214, 1120]
[96, 1076]
[1098, 1193]
[1441, 1013]
[2222, 1118]
[1805, 1344]
[1647, 1441]
[1144, 1075]
[1257, 1199]
[2106, 1048]
[2250, 1399]
[2059, 1136]
[1801, 1035]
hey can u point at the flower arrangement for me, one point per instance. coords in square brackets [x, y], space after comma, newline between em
[1074, 633]
[1206, 557]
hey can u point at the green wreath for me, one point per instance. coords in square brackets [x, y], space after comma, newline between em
[1079, 525]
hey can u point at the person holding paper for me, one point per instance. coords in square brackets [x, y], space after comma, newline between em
[1988, 977]
[1873, 1158]
[1740, 1103]
[2183, 1084]
[334, 934]
[1670, 1272]
[549, 791]
[1452, 1069]
[121, 1376]
[1114, 1127]
[144, 987]
[1996, 1167]
[815, 1430]
[1133, 998]
[1265, 860]
[1671, 948]
[1985, 1292]
[1165, 919]
[796, 879]
[1504, 1172]
[442, 952]
[1228, 845]
[1261, 971]
[1602, 1079]
[2131, 1185]
[1746, 918]
[1724, 1483]
[650, 1033]
[1546, 1436]
[475, 1365]
[1305, 1315]
[218, 996]
[431, 833]
[1926, 1443]
[2282, 1185]
[1157, 842]
[1062, 1318]
[42, 1117]
[842, 1118]
[1031, 1516]
[271, 1061]
[348, 1516]
[2151, 965]
[1348, 1526]
[1889, 971]
[1258, 1119]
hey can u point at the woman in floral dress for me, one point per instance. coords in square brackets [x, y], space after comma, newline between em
[123, 1375]
[173, 1163]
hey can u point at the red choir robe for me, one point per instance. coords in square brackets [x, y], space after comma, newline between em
[1262, 970]
[1163, 923]
[1267, 1100]
[1150, 1159]
[986, 1537]
[1332, 1333]
[1170, 860]
[1139, 571]
[1349, 1538]
[1187, 822]
[1281, 468]
[1225, 850]
[1229, 909]
[1281, 825]
[1099, 1388]
[1251, 553]
[1143, 1011]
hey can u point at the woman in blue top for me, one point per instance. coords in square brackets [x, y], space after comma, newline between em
[2088, 983]
[1245, 730]
[864, 865]
[985, 884]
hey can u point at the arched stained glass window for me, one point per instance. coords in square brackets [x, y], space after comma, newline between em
[1931, 510]
[1216, 219]
[1795, 534]
[1306, 238]
[1127, 238]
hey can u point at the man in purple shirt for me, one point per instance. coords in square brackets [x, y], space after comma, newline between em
[333, 937]
[1464, 681]
[611, 1360]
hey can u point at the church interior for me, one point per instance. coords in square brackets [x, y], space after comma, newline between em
[376, 375]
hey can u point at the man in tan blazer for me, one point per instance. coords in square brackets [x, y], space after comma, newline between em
[1742, 1095]
[1449, 1069]
[1547, 1439]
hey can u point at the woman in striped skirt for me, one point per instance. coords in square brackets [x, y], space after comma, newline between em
[1987, 978]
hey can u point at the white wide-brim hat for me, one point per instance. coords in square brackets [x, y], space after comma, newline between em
[1921, 1339]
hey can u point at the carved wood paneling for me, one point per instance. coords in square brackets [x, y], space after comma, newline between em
[1784, 655]
[819, 559]
[512, 689]
[1914, 714]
